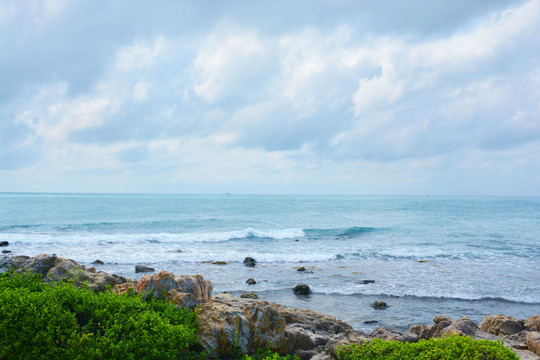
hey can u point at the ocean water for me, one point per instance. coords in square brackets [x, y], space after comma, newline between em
[427, 255]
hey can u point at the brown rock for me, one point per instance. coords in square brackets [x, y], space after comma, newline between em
[379, 305]
[501, 325]
[533, 342]
[249, 295]
[388, 334]
[463, 326]
[533, 323]
[348, 337]
[163, 283]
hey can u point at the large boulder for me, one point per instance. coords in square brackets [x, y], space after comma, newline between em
[532, 323]
[52, 268]
[533, 342]
[501, 325]
[183, 290]
[229, 322]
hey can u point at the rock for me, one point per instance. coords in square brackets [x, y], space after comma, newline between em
[258, 324]
[53, 268]
[249, 295]
[388, 334]
[463, 326]
[301, 269]
[533, 342]
[367, 281]
[142, 268]
[532, 323]
[185, 291]
[219, 262]
[379, 305]
[6, 251]
[98, 262]
[251, 281]
[4, 243]
[249, 262]
[501, 325]
[302, 289]
[369, 322]
[348, 337]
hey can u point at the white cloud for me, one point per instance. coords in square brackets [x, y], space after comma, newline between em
[140, 91]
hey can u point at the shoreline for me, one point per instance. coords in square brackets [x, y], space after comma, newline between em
[217, 313]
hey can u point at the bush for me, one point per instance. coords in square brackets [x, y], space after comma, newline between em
[40, 321]
[451, 347]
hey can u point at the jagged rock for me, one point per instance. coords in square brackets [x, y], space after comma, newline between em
[302, 289]
[98, 262]
[53, 268]
[348, 337]
[249, 262]
[257, 324]
[249, 295]
[388, 334]
[4, 243]
[501, 325]
[532, 323]
[379, 305]
[142, 268]
[251, 281]
[533, 342]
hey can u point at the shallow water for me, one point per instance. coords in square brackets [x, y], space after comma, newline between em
[457, 256]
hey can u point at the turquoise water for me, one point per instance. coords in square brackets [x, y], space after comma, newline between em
[458, 256]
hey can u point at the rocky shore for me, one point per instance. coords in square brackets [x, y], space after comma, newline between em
[227, 322]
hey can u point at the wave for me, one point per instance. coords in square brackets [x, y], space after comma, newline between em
[351, 232]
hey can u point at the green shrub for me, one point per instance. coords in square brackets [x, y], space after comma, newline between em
[40, 321]
[451, 347]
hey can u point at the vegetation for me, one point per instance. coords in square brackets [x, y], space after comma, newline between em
[40, 321]
[451, 347]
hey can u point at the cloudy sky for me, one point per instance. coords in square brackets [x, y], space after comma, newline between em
[301, 96]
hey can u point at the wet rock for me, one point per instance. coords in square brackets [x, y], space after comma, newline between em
[249, 262]
[6, 251]
[501, 325]
[302, 289]
[251, 281]
[98, 262]
[219, 262]
[532, 323]
[142, 268]
[249, 295]
[4, 243]
[379, 305]
[369, 322]
[367, 281]
[301, 269]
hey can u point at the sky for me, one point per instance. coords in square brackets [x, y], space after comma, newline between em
[299, 96]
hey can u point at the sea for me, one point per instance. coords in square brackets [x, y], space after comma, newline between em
[422, 255]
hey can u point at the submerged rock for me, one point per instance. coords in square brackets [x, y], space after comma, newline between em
[6, 251]
[302, 289]
[249, 262]
[249, 295]
[142, 268]
[4, 243]
[379, 305]
[367, 281]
